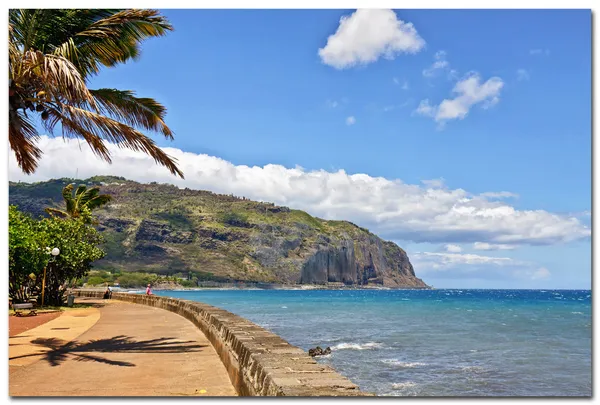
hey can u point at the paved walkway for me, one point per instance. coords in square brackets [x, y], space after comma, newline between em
[116, 349]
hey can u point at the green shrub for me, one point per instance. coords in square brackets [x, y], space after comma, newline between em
[95, 280]
[235, 219]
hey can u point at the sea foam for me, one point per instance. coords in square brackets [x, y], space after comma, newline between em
[357, 346]
[402, 364]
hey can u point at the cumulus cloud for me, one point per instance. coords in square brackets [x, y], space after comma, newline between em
[468, 92]
[491, 246]
[475, 266]
[522, 74]
[350, 120]
[367, 35]
[389, 207]
[439, 63]
[453, 248]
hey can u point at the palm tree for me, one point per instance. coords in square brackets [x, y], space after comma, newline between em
[81, 204]
[53, 53]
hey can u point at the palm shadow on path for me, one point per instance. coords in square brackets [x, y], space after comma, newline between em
[60, 350]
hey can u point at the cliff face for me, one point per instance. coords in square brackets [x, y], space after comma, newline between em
[163, 229]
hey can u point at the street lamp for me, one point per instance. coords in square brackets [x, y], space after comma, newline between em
[54, 252]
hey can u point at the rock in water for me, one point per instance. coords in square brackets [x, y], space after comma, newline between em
[317, 351]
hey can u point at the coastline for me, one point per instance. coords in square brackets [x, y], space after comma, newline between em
[259, 362]
[266, 287]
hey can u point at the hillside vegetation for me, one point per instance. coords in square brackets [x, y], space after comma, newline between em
[160, 228]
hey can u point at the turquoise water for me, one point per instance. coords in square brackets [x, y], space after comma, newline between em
[433, 342]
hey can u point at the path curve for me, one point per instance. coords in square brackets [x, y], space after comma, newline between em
[132, 350]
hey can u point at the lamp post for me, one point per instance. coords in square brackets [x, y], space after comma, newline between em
[54, 252]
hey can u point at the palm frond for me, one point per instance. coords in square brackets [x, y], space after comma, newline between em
[103, 128]
[54, 75]
[98, 201]
[113, 39]
[137, 112]
[56, 212]
[21, 136]
[67, 194]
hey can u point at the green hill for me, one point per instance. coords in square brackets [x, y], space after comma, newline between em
[163, 229]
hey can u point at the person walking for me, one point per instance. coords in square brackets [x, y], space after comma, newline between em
[148, 290]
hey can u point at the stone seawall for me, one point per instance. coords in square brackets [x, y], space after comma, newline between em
[259, 362]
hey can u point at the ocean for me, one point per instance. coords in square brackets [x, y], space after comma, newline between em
[439, 343]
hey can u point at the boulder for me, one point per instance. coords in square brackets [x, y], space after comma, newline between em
[318, 351]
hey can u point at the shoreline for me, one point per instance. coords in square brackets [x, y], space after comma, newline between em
[258, 361]
[255, 288]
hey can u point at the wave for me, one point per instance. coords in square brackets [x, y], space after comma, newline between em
[577, 313]
[357, 346]
[402, 364]
[403, 385]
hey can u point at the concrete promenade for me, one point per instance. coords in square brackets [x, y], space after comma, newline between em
[116, 349]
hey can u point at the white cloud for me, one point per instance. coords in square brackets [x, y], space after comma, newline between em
[453, 248]
[499, 194]
[522, 75]
[440, 63]
[542, 272]
[350, 120]
[332, 104]
[367, 35]
[445, 261]
[469, 92]
[491, 246]
[426, 109]
[434, 183]
[388, 207]
[458, 265]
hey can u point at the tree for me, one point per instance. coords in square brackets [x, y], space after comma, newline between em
[25, 256]
[29, 240]
[78, 244]
[81, 204]
[52, 55]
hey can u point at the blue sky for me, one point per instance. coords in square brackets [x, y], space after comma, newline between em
[478, 101]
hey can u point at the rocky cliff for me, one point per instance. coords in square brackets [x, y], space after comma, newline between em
[161, 228]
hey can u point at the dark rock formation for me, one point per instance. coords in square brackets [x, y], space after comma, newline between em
[317, 351]
[159, 232]
[117, 224]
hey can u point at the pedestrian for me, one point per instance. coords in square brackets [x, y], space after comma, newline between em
[148, 290]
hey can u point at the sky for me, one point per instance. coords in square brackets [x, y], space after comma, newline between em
[463, 136]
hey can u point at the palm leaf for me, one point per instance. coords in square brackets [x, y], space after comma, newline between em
[137, 112]
[113, 39]
[21, 136]
[51, 52]
[103, 128]
[99, 201]
[56, 212]
[70, 202]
